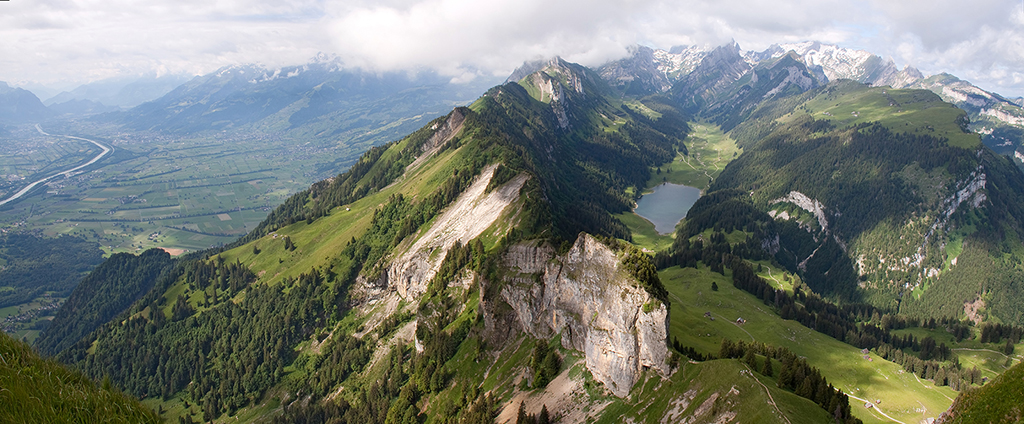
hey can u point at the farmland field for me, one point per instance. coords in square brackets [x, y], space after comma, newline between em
[181, 194]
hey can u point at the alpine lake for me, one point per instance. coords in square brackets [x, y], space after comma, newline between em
[667, 205]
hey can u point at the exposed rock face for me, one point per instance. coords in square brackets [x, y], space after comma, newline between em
[636, 74]
[597, 308]
[1004, 116]
[559, 83]
[842, 63]
[443, 133]
[796, 77]
[716, 72]
[679, 60]
[806, 203]
[473, 212]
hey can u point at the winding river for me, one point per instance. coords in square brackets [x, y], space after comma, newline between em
[66, 173]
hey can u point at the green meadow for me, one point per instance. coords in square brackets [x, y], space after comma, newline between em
[709, 150]
[910, 111]
[903, 395]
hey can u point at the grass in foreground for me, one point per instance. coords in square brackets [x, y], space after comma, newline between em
[37, 390]
[719, 388]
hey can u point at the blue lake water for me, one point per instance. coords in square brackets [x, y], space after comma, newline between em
[667, 205]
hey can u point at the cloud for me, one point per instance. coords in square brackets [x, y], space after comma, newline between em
[80, 40]
[77, 41]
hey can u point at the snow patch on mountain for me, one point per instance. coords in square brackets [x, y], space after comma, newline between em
[835, 61]
[680, 60]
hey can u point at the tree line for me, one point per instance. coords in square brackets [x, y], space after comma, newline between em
[794, 375]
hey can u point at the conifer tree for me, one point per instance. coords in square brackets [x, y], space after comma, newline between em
[522, 417]
[750, 359]
[544, 417]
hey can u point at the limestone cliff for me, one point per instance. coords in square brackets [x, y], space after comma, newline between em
[473, 212]
[597, 307]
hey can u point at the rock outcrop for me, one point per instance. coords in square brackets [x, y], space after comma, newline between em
[637, 74]
[598, 309]
[443, 133]
[474, 211]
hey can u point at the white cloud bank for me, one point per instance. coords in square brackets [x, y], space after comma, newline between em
[71, 41]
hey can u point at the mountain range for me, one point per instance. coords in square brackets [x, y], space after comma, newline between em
[124, 92]
[999, 119]
[319, 99]
[861, 247]
[19, 106]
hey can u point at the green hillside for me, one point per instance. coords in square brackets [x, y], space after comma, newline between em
[997, 402]
[286, 311]
[912, 208]
[110, 289]
[37, 390]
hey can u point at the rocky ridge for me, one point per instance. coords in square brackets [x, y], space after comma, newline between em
[595, 306]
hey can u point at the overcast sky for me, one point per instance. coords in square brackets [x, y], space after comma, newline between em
[66, 42]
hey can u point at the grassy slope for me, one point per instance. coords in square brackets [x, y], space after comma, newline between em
[843, 365]
[987, 357]
[912, 111]
[1001, 401]
[317, 244]
[36, 390]
[652, 398]
[753, 397]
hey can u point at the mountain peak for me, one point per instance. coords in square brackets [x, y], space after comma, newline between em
[531, 67]
[638, 73]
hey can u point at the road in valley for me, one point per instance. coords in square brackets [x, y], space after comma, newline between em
[67, 173]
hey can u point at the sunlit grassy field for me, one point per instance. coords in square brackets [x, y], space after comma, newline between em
[903, 395]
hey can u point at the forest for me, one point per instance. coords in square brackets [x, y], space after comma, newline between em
[33, 265]
[106, 292]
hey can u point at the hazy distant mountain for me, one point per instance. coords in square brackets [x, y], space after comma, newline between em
[81, 107]
[19, 105]
[318, 99]
[637, 74]
[122, 92]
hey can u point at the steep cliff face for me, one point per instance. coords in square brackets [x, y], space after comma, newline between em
[716, 72]
[444, 133]
[596, 307]
[473, 212]
[562, 85]
[637, 74]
